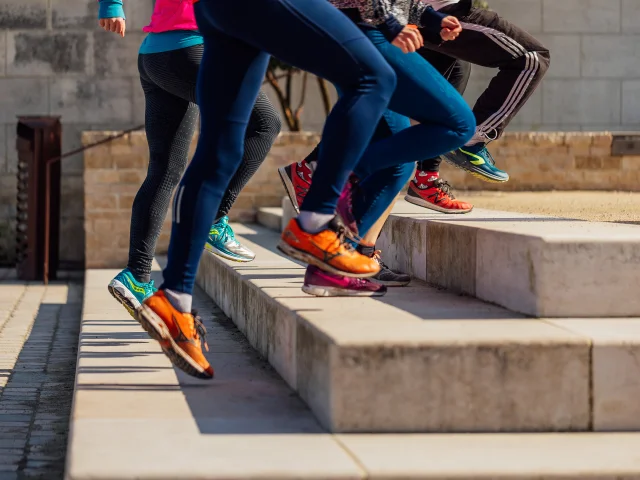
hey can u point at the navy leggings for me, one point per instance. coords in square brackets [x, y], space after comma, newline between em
[309, 34]
[446, 123]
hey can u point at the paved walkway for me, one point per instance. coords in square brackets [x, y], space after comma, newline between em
[39, 329]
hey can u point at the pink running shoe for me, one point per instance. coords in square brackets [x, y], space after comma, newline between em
[324, 284]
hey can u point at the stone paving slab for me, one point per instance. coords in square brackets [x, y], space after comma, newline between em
[38, 338]
[136, 417]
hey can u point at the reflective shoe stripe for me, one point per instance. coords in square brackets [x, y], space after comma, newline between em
[479, 160]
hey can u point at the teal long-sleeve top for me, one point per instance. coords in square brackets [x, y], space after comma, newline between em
[153, 42]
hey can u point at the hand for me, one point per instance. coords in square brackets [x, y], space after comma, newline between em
[409, 40]
[116, 25]
[451, 28]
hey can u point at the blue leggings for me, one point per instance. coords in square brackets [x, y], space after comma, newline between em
[310, 34]
[446, 123]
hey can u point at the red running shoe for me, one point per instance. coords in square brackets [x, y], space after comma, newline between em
[434, 193]
[296, 179]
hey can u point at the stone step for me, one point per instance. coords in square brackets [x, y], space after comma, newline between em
[425, 360]
[134, 416]
[270, 217]
[533, 264]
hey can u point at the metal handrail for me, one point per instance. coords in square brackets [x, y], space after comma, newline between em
[47, 195]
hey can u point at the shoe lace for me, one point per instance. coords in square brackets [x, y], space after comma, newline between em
[225, 231]
[344, 234]
[444, 188]
[377, 256]
[201, 330]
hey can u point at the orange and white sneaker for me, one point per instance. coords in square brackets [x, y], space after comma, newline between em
[327, 250]
[180, 334]
[429, 191]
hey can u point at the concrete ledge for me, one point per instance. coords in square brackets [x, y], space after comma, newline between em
[417, 360]
[532, 264]
[536, 265]
[270, 217]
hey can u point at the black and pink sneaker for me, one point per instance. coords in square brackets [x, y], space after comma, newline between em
[324, 284]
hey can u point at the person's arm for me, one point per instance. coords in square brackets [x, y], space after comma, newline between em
[424, 16]
[433, 22]
[382, 15]
[110, 9]
[111, 16]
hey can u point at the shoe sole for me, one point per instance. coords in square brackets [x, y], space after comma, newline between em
[337, 292]
[309, 259]
[481, 176]
[211, 249]
[157, 329]
[289, 188]
[124, 297]
[423, 203]
[390, 284]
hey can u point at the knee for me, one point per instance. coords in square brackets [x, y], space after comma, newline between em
[466, 124]
[544, 58]
[386, 81]
[379, 78]
[271, 124]
[265, 119]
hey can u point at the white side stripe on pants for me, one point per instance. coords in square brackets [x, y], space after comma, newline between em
[177, 204]
[519, 89]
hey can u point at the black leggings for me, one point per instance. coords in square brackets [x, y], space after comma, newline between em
[169, 83]
[458, 73]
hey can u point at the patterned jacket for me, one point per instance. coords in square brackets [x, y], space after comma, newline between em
[391, 16]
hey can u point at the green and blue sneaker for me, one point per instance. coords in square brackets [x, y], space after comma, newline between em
[478, 162]
[222, 242]
[129, 292]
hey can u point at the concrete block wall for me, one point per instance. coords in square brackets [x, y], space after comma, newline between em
[54, 60]
[594, 80]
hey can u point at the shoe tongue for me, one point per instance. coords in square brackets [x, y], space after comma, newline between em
[224, 220]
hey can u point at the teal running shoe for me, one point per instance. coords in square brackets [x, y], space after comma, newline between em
[222, 242]
[129, 292]
[478, 162]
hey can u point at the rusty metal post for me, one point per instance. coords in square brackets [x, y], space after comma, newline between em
[38, 211]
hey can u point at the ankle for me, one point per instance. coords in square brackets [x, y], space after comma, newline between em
[366, 250]
[179, 300]
[312, 222]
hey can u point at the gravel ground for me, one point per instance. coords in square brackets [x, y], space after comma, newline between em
[622, 207]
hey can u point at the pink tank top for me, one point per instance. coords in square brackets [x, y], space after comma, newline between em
[172, 15]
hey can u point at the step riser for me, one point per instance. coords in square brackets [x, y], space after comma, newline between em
[470, 386]
[522, 273]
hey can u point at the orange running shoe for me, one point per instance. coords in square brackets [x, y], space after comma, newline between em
[327, 250]
[180, 334]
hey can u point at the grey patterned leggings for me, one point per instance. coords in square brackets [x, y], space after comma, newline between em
[169, 83]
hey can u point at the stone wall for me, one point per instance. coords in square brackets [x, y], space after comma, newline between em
[594, 80]
[555, 161]
[54, 60]
[114, 171]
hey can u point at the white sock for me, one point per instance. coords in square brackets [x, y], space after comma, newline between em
[312, 222]
[312, 165]
[180, 301]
